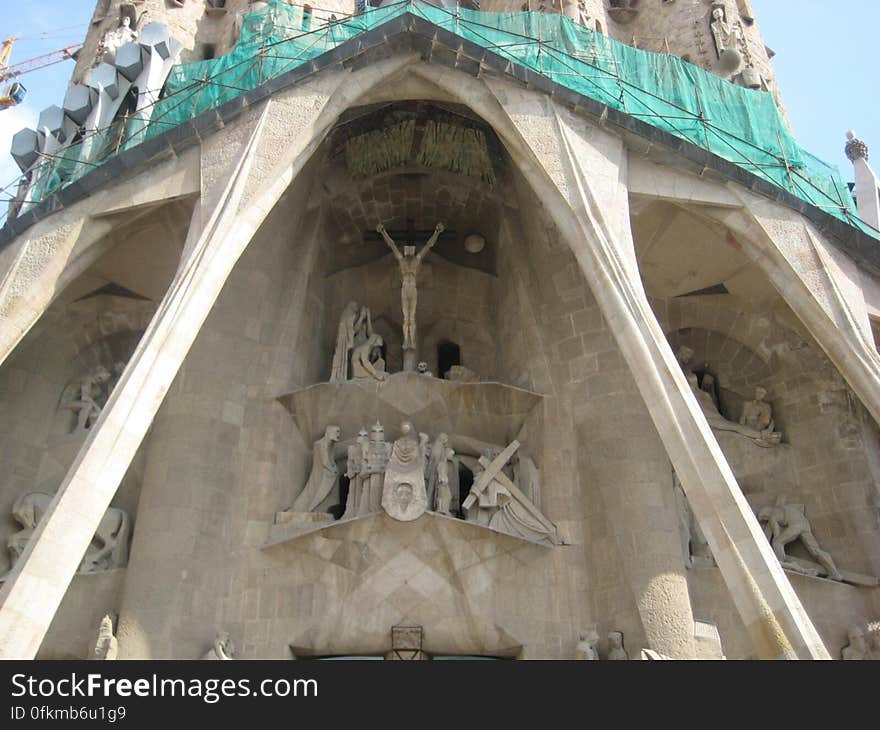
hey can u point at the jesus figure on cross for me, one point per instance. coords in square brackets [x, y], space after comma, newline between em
[410, 262]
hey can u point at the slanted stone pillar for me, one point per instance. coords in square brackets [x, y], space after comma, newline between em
[29, 599]
[590, 174]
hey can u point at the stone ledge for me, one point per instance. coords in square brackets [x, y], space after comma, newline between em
[279, 534]
[489, 411]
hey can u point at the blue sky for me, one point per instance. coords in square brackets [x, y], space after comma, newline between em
[825, 65]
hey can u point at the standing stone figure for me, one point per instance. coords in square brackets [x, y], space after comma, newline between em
[223, 649]
[403, 494]
[357, 458]
[410, 262]
[444, 492]
[378, 454]
[354, 327]
[586, 647]
[786, 523]
[323, 475]
[616, 652]
[106, 647]
[694, 546]
[437, 453]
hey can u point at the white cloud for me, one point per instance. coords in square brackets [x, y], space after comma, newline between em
[12, 120]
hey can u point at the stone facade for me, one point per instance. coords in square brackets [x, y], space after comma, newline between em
[212, 288]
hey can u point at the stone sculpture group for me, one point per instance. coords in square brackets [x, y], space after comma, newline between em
[756, 422]
[412, 475]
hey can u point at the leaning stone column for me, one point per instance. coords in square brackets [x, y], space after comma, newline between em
[602, 243]
[29, 599]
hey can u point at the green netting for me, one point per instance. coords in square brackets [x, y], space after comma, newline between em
[740, 125]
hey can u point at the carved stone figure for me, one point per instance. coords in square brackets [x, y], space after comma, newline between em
[527, 477]
[437, 454]
[84, 398]
[323, 475]
[355, 468]
[403, 494]
[378, 454]
[857, 649]
[616, 652]
[723, 33]
[117, 37]
[708, 385]
[366, 360]
[758, 414]
[422, 369]
[109, 547]
[586, 647]
[583, 15]
[785, 523]
[410, 262]
[694, 546]
[106, 646]
[480, 506]
[707, 404]
[354, 327]
[223, 649]
[496, 502]
[444, 491]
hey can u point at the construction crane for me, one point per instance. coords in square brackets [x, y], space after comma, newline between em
[14, 93]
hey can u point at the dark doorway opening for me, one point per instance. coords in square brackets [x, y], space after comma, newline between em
[448, 354]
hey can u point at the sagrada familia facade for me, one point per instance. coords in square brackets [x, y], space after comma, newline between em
[513, 330]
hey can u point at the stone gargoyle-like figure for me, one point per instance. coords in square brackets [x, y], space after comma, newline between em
[109, 547]
[786, 522]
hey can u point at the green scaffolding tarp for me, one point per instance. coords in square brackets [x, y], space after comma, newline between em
[740, 125]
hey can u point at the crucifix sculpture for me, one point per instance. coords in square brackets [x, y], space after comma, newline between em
[410, 262]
